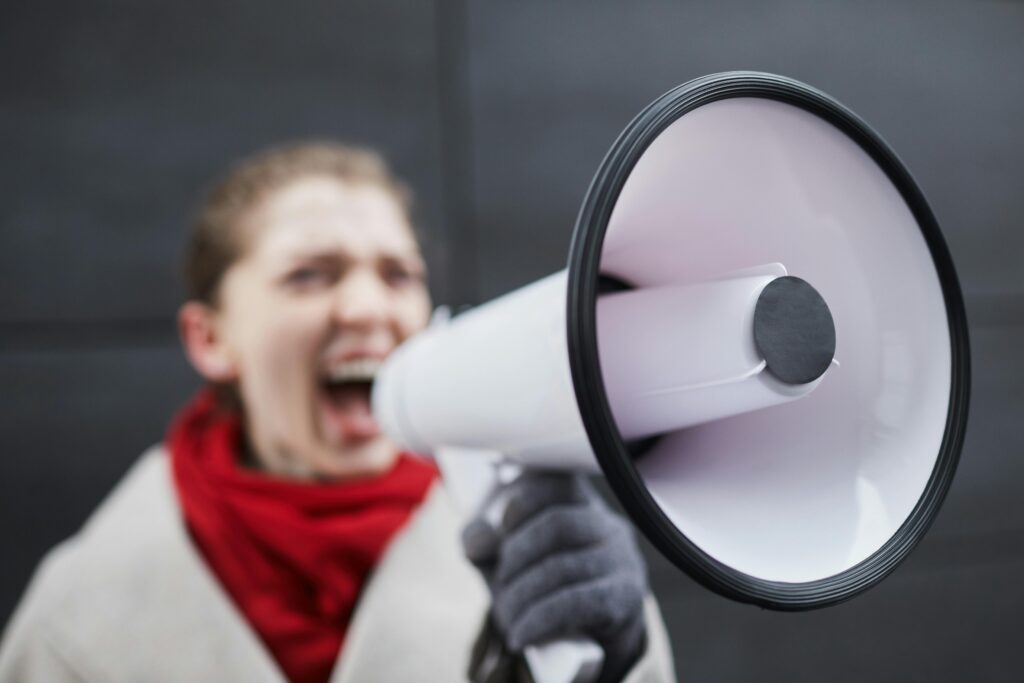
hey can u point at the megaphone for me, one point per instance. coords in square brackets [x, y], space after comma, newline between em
[759, 340]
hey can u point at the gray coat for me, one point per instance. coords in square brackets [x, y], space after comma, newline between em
[129, 599]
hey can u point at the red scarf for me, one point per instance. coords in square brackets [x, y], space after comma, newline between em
[293, 555]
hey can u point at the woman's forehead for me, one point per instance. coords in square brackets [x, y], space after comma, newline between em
[315, 214]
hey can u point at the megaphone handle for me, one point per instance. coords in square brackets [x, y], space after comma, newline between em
[573, 660]
[478, 483]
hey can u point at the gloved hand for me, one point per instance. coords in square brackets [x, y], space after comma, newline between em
[561, 565]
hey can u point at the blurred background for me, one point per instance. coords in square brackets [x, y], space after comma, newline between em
[114, 116]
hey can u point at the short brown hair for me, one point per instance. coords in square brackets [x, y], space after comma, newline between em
[215, 241]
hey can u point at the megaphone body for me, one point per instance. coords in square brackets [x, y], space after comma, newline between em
[759, 339]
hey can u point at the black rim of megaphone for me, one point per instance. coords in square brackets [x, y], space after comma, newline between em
[611, 450]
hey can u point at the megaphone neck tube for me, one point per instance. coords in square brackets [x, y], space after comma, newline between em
[675, 356]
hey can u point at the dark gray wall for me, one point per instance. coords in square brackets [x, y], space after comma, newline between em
[114, 115]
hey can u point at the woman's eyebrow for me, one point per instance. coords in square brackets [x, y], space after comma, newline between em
[285, 262]
[337, 254]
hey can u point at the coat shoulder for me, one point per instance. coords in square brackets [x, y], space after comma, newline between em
[129, 572]
[120, 545]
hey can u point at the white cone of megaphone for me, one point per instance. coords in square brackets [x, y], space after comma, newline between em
[759, 340]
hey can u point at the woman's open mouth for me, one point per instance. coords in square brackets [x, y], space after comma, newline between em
[345, 398]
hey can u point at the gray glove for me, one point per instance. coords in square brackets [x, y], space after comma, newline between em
[562, 565]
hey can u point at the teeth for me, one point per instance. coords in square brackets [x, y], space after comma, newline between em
[359, 370]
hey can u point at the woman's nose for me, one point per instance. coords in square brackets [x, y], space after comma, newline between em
[361, 300]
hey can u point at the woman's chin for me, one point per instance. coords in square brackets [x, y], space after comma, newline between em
[368, 457]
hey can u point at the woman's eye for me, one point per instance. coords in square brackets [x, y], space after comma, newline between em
[397, 276]
[306, 276]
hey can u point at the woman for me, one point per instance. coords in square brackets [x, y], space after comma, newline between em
[277, 535]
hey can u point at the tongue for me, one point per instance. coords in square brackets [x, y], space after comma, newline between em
[347, 412]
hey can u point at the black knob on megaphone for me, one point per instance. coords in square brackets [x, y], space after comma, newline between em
[793, 330]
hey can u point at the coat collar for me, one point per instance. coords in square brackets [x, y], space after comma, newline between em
[423, 607]
[158, 613]
[161, 615]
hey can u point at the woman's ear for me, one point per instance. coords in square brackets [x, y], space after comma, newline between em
[204, 344]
